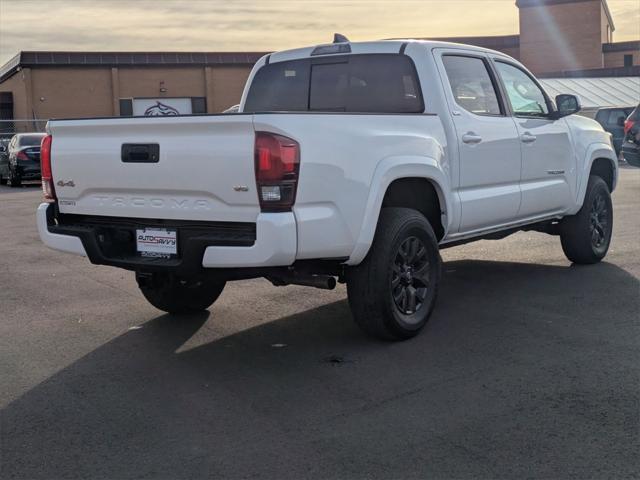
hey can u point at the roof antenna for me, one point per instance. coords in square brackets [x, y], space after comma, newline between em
[339, 38]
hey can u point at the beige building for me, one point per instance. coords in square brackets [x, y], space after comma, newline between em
[43, 85]
[557, 38]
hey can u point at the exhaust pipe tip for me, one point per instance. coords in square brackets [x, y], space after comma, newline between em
[331, 283]
[324, 282]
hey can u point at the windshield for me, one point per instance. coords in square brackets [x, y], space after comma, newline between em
[376, 83]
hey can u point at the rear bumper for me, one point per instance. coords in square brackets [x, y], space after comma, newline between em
[64, 243]
[275, 245]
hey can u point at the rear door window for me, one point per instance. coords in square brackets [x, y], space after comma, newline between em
[471, 85]
[377, 83]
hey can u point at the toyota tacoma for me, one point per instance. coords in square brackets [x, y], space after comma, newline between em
[349, 162]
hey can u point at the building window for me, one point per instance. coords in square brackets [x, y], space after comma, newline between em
[126, 107]
[6, 112]
[628, 60]
[198, 105]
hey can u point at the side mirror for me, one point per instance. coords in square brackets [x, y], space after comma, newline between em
[567, 105]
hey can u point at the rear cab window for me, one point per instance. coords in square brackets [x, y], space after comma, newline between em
[360, 83]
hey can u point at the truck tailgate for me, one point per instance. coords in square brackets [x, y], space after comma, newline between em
[200, 161]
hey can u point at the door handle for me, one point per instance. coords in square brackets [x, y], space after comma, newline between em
[471, 138]
[528, 138]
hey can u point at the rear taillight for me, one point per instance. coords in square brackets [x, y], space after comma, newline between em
[45, 170]
[23, 157]
[277, 163]
[628, 125]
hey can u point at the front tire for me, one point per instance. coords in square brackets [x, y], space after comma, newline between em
[586, 236]
[393, 291]
[171, 294]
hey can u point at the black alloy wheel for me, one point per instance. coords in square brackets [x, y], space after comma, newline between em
[599, 221]
[410, 276]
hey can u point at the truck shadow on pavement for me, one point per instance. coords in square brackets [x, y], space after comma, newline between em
[524, 370]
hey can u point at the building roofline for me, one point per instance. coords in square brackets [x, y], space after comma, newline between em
[621, 46]
[11, 67]
[123, 59]
[609, 16]
[633, 71]
[536, 3]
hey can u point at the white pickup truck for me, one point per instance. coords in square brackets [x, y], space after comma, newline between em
[347, 161]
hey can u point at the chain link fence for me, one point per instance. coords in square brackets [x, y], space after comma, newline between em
[8, 128]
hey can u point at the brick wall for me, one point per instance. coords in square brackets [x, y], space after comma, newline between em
[616, 59]
[563, 36]
[71, 92]
[76, 92]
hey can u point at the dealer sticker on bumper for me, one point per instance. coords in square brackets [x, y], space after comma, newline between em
[156, 242]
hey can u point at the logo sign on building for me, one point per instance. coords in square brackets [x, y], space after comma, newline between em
[157, 107]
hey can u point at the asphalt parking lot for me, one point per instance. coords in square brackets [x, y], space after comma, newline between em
[529, 368]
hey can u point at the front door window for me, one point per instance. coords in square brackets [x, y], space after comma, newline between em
[526, 98]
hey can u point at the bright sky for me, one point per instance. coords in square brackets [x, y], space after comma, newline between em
[256, 25]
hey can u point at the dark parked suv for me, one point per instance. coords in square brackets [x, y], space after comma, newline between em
[612, 120]
[631, 143]
[23, 159]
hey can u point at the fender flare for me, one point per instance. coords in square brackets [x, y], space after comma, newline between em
[386, 172]
[594, 152]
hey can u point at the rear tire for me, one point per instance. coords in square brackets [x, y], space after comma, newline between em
[586, 236]
[171, 294]
[3, 180]
[393, 291]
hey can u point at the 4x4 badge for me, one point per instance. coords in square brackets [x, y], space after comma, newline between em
[62, 183]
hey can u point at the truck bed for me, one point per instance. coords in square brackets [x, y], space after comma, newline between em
[205, 168]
